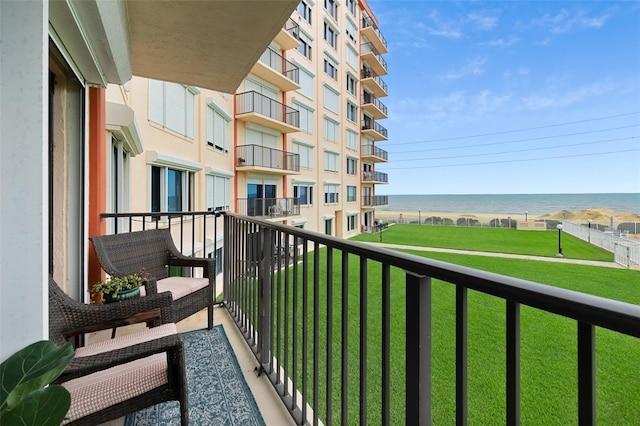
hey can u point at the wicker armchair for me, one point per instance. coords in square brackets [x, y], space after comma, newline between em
[154, 251]
[110, 379]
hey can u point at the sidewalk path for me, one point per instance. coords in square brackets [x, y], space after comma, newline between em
[511, 256]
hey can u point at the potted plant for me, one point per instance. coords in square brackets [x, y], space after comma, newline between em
[115, 288]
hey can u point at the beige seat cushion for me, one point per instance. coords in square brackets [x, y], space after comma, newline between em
[102, 389]
[179, 286]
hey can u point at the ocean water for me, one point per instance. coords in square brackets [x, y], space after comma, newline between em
[535, 204]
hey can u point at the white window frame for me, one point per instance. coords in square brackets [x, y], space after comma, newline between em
[218, 138]
[352, 222]
[306, 11]
[331, 99]
[217, 179]
[331, 130]
[331, 6]
[352, 166]
[309, 190]
[331, 193]
[167, 112]
[352, 57]
[305, 151]
[188, 185]
[331, 161]
[306, 115]
[352, 140]
[331, 34]
[352, 198]
[352, 112]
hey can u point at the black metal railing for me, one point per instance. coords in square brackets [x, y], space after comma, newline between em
[372, 150]
[262, 156]
[253, 101]
[292, 28]
[368, 98]
[370, 124]
[305, 303]
[278, 63]
[368, 22]
[369, 73]
[269, 207]
[369, 176]
[369, 48]
[375, 200]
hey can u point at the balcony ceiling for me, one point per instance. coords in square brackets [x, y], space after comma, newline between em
[209, 44]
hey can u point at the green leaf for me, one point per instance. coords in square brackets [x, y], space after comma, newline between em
[42, 407]
[30, 369]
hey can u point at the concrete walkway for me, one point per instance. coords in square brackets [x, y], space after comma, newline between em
[507, 255]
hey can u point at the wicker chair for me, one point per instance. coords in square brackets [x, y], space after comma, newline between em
[110, 379]
[154, 251]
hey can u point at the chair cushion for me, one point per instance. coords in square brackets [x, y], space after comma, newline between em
[179, 286]
[97, 391]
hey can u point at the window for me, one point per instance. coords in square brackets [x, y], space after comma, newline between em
[306, 83]
[331, 7]
[352, 166]
[218, 192]
[331, 130]
[304, 11]
[351, 193]
[171, 189]
[172, 106]
[330, 35]
[352, 112]
[352, 221]
[217, 129]
[331, 99]
[351, 84]
[352, 57]
[331, 161]
[331, 193]
[352, 31]
[305, 45]
[306, 155]
[352, 140]
[330, 68]
[306, 117]
[304, 194]
[351, 5]
[328, 225]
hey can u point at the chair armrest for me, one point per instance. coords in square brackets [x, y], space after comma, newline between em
[82, 366]
[209, 265]
[152, 315]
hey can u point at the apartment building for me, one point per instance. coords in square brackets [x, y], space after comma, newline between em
[296, 143]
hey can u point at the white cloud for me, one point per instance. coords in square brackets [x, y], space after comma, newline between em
[502, 42]
[471, 67]
[565, 21]
[483, 22]
[554, 98]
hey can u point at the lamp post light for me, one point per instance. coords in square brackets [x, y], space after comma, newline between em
[559, 240]
[526, 214]
[589, 236]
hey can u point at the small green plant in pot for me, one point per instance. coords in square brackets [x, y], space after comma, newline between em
[116, 288]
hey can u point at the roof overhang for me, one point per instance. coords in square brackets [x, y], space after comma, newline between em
[211, 44]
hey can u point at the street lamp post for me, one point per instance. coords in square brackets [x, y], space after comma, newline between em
[526, 214]
[589, 236]
[559, 240]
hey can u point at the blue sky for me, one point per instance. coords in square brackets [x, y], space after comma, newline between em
[511, 97]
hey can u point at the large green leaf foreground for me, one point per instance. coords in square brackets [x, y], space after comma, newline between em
[25, 398]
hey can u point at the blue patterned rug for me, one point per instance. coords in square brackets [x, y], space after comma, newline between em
[218, 392]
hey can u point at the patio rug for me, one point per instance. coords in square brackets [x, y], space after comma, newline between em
[218, 392]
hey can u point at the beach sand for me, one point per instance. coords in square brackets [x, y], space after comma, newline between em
[598, 216]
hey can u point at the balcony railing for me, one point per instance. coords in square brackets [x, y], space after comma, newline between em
[369, 176]
[375, 200]
[292, 28]
[262, 156]
[367, 22]
[369, 73]
[278, 63]
[268, 207]
[369, 124]
[368, 98]
[372, 150]
[254, 102]
[305, 302]
[369, 48]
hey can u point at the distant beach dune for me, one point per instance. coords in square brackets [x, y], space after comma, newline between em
[600, 215]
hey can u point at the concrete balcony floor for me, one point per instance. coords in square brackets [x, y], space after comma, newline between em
[271, 407]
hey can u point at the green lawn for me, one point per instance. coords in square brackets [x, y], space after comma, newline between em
[548, 352]
[496, 240]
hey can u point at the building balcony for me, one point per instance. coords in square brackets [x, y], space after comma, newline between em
[370, 55]
[373, 106]
[373, 153]
[266, 160]
[370, 30]
[288, 294]
[275, 69]
[375, 200]
[288, 37]
[269, 207]
[374, 177]
[373, 129]
[257, 108]
[373, 82]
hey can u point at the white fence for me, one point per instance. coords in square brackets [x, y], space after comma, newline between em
[626, 252]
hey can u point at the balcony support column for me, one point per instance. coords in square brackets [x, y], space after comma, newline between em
[418, 344]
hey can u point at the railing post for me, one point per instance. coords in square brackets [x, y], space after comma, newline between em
[264, 295]
[418, 347]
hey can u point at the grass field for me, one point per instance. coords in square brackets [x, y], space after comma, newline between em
[548, 349]
[495, 240]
